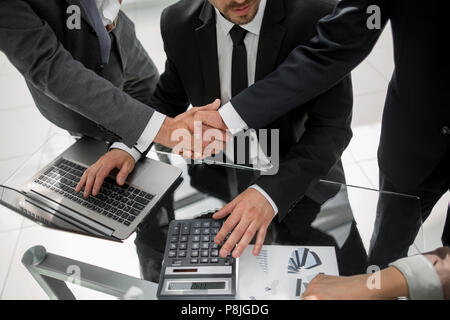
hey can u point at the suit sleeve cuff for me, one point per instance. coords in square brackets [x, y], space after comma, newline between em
[150, 131]
[232, 119]
[133, 152]
[423, 280]
[268, 198]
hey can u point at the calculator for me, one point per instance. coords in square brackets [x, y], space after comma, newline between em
[192, 267]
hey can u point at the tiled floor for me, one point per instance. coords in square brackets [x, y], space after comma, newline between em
[23, 130]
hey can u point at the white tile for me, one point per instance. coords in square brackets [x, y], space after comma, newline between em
[383, 61]
[6, 68]
[385, 38]
[368, 108]
[8, 242]
[371, 171]
[355, 176]
[9, 220]
[364, 144]
[119, 257]
[9, 166]
[347, 158]
[15, 92]
[367, 80]
[22, 131]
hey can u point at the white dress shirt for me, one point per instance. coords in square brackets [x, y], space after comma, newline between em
[225, 56]
[108, 9]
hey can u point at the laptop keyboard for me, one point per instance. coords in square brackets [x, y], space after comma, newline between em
[120, 203]
[191, 242]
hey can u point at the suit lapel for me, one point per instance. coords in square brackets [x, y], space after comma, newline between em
[84, 14]
[207, 47]
[270, 39]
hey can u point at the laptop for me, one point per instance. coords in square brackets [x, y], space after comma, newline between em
[115, 213]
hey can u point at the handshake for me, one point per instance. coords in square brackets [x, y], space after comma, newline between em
[196, 134]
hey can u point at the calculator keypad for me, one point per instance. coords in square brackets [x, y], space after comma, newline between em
[191, 242]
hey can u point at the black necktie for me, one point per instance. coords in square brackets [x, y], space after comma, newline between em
[239, 82]
[239, 76]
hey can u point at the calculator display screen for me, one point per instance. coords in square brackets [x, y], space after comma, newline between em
[196, 285]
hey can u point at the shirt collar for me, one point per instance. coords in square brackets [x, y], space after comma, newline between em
[253, 26]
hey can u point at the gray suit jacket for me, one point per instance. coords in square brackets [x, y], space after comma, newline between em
[63, 69]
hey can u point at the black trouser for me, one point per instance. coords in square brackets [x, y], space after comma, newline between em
[399, 218]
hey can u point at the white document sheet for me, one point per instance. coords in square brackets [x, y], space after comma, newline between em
[283, 272]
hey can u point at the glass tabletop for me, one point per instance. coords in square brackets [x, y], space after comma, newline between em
[333, 233]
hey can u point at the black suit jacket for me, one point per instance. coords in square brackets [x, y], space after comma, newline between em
[414, 138]
[312, 137]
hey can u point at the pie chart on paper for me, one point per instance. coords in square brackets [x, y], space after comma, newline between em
[303, 259]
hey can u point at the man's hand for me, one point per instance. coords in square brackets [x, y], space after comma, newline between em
[210, 118]
[189, 136]
[94, 176]
[392, 285]
[251, 214]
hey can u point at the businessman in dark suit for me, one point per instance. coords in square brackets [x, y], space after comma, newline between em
[414, 151]
[211, 54]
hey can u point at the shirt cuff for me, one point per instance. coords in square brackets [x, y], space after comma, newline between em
[232, 119]
[150, 131]
[268, 198]
[423, 280]
[133, 152]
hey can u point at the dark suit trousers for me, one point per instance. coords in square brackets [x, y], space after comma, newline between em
[399, 219]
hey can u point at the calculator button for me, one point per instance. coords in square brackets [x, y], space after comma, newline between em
[214, 253]
[173, 246]
[195, 238]
[206, 231]
[185, 229]
[194, 261]
[205, 253]
[195, 245]
[182, 254]
[176, 231]
[183, 239]
[194, 253]
[177, 262]
[183, 246]
[205, 238]
[196, 231]
[172, 254]
[205, 245]
[206, 224]
[204, 260]
[214, 231]
[214, 260]
[173, 239]
[217, 224]
[214, 245]
[196, 224]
